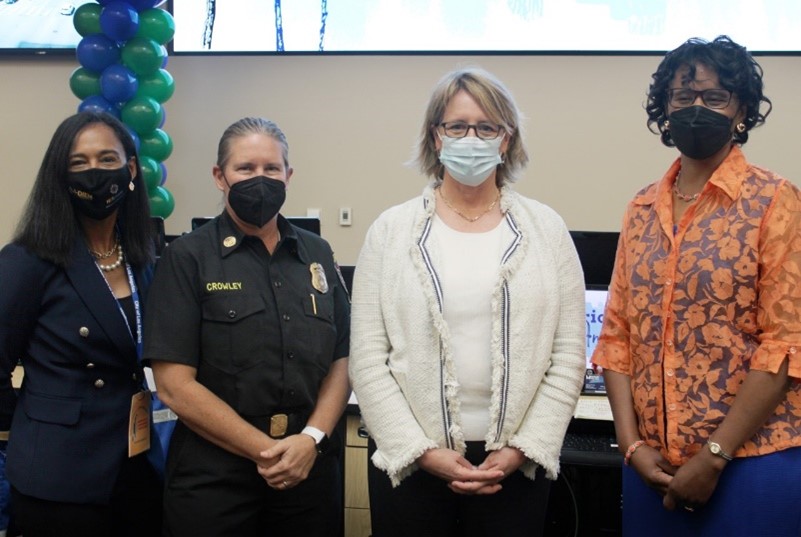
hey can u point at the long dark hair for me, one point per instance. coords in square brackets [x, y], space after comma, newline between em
[49, 225]
[737, 70]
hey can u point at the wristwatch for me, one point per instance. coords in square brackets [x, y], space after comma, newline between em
[320, 438]
[716, 450]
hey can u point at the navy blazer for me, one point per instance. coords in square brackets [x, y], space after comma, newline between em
[69, 431]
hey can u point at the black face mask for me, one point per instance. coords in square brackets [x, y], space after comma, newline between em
[257, 200]
[699, 132]
[97, 192]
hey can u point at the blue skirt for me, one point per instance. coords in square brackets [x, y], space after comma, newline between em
[755, 496]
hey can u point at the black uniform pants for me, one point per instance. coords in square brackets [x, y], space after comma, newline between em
[213, 492]
[424, 505]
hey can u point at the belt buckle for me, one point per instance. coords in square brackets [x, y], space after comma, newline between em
[278, 425]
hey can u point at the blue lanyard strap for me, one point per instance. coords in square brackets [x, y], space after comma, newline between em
[137, 308]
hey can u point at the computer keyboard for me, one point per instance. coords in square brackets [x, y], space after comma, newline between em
[591, 449]
[590, 442]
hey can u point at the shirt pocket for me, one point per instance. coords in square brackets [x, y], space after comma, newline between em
[320, 306]
[233, 331]
[321, 338]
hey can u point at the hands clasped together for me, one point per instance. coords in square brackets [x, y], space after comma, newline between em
[288, 461]
[689, 486]
[464, 478]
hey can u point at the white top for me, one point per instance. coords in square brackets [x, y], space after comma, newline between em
[470, 266]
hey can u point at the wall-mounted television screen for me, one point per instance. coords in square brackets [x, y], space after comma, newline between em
[38, 26]
[479, 26]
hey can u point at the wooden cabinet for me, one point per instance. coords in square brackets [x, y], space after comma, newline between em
[357, 499]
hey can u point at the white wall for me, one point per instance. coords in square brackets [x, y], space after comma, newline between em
[352, 122]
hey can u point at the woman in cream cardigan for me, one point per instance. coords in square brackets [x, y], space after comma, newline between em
[467, 348]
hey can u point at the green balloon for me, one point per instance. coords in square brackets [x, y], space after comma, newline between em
[142, 114]
[161, 202]
[156, 145]
[86, 19]
[159, 85]
[143, 56]
[151, 173]
[156, 24]
[84, 83]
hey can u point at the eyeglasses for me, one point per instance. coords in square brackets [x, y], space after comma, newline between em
[713, 98]
[459, 129]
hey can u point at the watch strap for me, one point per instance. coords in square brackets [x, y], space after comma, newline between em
[320, 438]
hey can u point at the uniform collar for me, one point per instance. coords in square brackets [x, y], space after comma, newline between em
[728, 178]
[231, 237]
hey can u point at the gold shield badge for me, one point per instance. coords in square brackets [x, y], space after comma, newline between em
[318, 279]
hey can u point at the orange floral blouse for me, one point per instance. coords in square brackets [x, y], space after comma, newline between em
[692, 309]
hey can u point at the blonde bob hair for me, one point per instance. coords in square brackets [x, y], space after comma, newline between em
[494, 99]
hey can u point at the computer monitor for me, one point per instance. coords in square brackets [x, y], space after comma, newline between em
[596, 251]
[595, 302]
[159, 235]
[308, 223]
[198, 221]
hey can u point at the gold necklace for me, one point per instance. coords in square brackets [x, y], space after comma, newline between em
[460, 213]
[108, 254]
[681, 195]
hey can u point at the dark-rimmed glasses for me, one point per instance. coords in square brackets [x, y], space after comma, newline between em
[715, 98]
[459, 129]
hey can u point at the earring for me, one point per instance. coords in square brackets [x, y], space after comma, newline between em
[740, 128]
[667, 124]
[131, 186]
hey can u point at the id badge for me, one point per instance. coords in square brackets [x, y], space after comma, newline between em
[139, 424]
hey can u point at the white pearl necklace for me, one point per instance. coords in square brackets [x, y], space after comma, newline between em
[114, 265]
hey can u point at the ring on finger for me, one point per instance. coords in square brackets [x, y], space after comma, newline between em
[286, 485]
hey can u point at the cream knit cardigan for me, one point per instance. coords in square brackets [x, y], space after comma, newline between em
[401, 366]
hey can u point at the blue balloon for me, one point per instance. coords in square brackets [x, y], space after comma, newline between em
[163, 173]
[119, 20]
[98, 104]
[135, 137]
[141, 5]
[96, 52]
[118, 83]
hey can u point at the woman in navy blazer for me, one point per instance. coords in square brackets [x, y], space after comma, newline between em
[72, 285]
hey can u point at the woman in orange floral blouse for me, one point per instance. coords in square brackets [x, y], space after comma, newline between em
[701, 343]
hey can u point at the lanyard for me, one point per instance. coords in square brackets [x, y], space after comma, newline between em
[137, 307]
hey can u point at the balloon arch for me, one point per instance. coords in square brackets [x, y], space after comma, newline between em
[122, 55]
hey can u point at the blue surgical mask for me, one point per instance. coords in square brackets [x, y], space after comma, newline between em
[470, 160]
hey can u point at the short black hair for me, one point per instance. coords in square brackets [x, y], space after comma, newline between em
[49, 225]
[737, 70]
